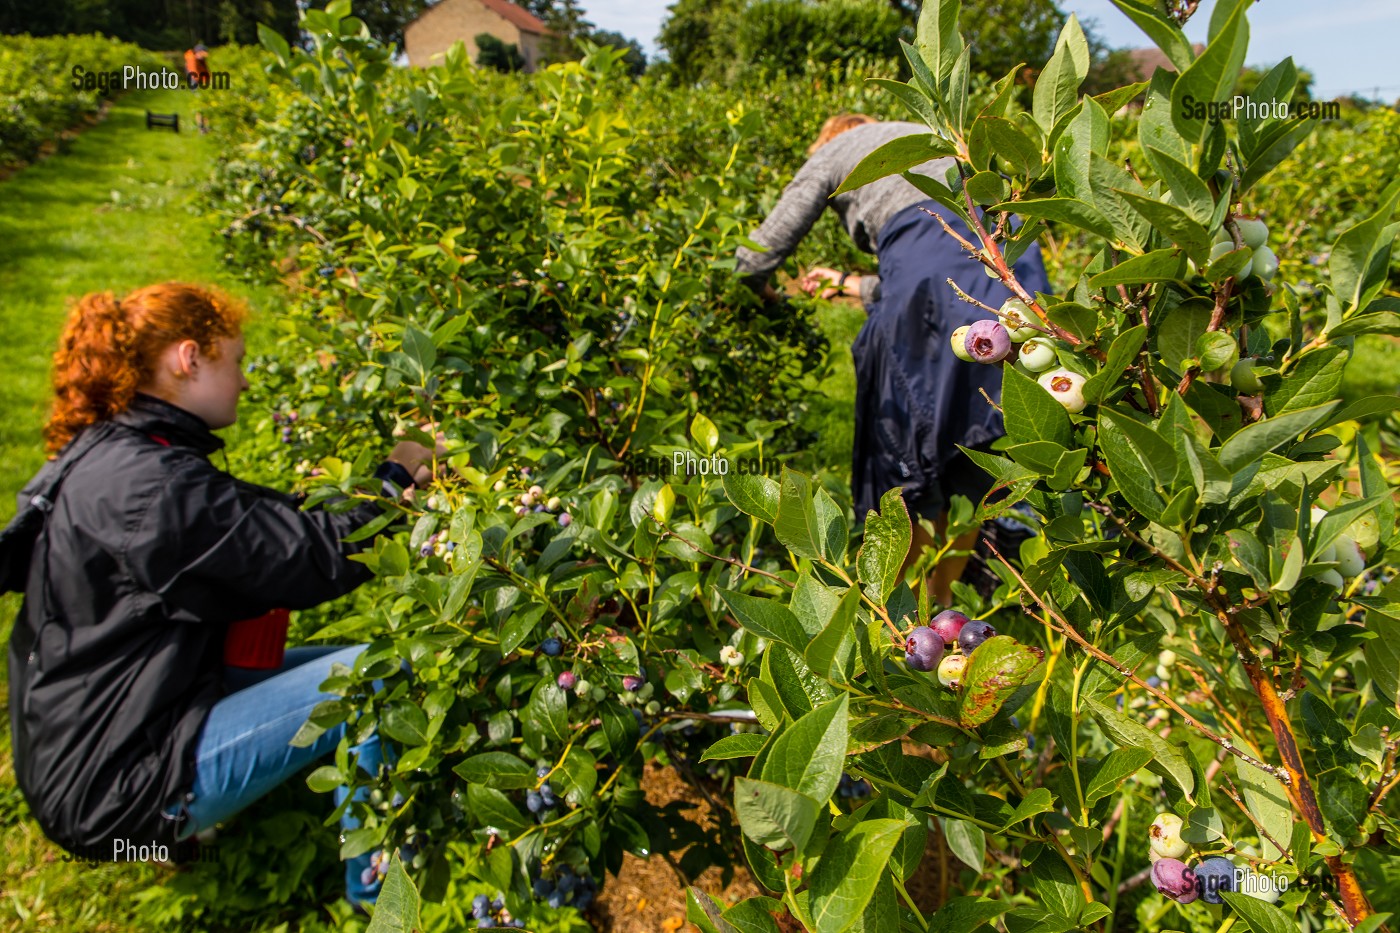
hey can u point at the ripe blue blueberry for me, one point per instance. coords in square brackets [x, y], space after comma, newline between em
[485, 923]
[973, 634]
[481, 906]
[923, 649]
[555, 900]
[542, 771]
[534, 802]
[542, 887]
[1214, 875]
[498, 905]
[552, 647]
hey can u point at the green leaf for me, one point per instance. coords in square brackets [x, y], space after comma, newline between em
[800, 519]
[914, 98]
[1167, 759]
[1007, 140]
[753, 495]
[1316, 379]
[742, 745]
[1139, 467]
[1186, 187]
[1251, 442]
[419, 348]
[966, 914]
[1057, 88]
[1120, 765]
[405, 722]
[994, 672]
[1084, 135]
[1070, 211]
[496, 769]
[898, 155]
[851, 866]
[325, 778]
[809, 755]
[1056, 886]
[1277, 85]
[1383, 653]
[1356, 247]
[1268, 803]
[774, 816]
[1177, 335]
[1248, 551]
[1210, 78]
[273, 41]
[546, 717]
[704, 433]
[765, 617]
[494, 810]
[1038, 801]
[1031, 413]
[396, 908]
[1273, 147]
[829, 654]
[1382, 322]
[1161, 29]
[966, 841]
[1163, 265]
[1216, 350]
[887, 538]
[937, 37]
[1121, 354]
[1260, 916]
[1173, 223]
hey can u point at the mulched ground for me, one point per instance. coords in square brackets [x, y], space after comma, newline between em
[649, 894]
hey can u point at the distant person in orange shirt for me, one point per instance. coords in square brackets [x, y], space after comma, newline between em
[197, 72]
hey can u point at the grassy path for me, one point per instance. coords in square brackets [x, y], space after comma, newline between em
[118, 210]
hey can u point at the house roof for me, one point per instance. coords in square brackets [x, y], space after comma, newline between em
[1148, 60]
[522, 19]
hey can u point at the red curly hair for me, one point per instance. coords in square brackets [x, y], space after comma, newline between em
[109, 348]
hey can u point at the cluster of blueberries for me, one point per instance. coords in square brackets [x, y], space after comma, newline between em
[924, 645]
[491, 914]
[1207, 880]
[858, 788]
[286, 421]
[542, 800]
[566, 888]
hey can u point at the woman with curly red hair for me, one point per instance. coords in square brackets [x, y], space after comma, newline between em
[129, 728]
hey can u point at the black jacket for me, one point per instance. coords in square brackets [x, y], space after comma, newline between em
[117, 655]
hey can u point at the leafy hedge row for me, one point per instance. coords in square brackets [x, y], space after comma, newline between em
[37, 97]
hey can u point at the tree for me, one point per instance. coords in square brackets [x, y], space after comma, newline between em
[495, 53]
[1004, 33]
[387, 19]
[635, 58]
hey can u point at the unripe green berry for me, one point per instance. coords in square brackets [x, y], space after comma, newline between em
[959, 343]
[1243, 377]
[1254, 232]
[1265, 263]
[1164, 836]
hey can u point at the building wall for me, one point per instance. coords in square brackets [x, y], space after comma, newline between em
[427, 39]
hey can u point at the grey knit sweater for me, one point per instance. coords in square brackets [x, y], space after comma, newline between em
[864, 211]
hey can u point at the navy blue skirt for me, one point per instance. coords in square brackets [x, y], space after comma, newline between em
[916, 401]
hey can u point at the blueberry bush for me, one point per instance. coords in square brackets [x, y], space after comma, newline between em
[1176, 708]
[1208, 510]
[36, 83]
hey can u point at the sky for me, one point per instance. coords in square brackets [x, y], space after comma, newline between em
[1348, 45]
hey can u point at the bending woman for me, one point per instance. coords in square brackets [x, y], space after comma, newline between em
[915, 402]
[128, 729]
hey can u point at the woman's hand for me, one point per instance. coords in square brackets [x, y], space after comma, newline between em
[417, 459]
[816, 276]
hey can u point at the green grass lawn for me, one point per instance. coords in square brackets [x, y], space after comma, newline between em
[117, 210]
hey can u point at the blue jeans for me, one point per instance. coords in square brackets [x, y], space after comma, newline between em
[244, 748]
